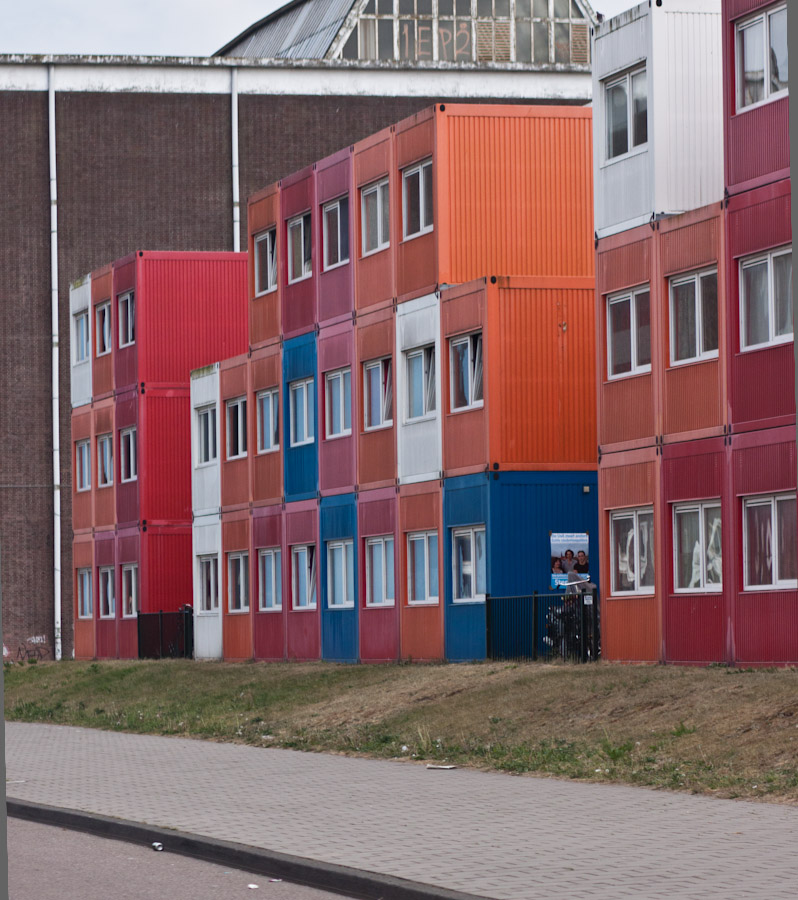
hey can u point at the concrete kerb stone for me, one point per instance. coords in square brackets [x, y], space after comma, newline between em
[311, 873]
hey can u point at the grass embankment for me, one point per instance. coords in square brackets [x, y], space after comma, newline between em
[719, 731]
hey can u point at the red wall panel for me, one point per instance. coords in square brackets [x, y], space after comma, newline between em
[83, 558]
[337, 455]
[267, 468]
[376, 450]
[303, 629]
[165, 456]
[102, 367]
[234, 375]
[299, 307]
[126, 375]
[106, 634]
[82, 501]
[379, 626]
[104, 497]
[269, 627]
[127, 492]
[336, 291]
[237, 642]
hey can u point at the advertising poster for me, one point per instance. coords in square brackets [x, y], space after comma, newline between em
[570, 552]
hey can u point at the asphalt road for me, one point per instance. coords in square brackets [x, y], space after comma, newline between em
[58, 864]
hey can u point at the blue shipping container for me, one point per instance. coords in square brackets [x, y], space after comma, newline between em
[339, 624]
[300, 419]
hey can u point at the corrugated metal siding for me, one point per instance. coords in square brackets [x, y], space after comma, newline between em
[165, 457]
[336, 291]
[339, 627]
[629, 629]
[236, 627]
[691, 246]
[269, 628]
[206, 490]
[759, 220]
[766, 468]
[702, 384]
[106, 629]
[80, 373]
[759, 143]
[83, 558]
[625, 266]
[104, 497]
[303, 629]
[379, 626]
[102, 367]
[376, 451]
[263, 212]
[626, 485]
[301, 464]
[206, 534]
[518, 193]
[338, 456]
[82, 501]
[763, 384]
[624, 193]
[299, 311]
[127, 493]
[697, 472]
[125, 278]
[627, 409]
[766, 627]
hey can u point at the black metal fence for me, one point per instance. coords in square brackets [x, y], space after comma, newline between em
[544, 626]
[166, 634]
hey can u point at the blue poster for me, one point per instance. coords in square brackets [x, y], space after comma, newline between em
[570, 558]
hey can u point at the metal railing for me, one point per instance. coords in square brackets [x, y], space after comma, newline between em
[544, 626]
[166, 634]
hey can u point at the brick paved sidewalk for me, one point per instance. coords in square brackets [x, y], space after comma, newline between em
[492, 835]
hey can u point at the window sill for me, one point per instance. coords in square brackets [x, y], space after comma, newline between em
[773, 98]
[104, 353]
[110, 618]
[637, 373]
[337, 437]
[304, 609]
[101, 486]
[335, 266]
[463, 409]
[469, 602]
[427, 417]
[302, 444]
[271, 609]
[337, 607]
[83, 490]
[383, 427]
[207, 613]
[417, 234]
[300, 279]
[125, 346]
[768, 345]
[89, 618]
[630, 154]
[210, 463]
[129, 480]
[387, 605]
[236, 458]
[80, 362]
[128, 617]
[265, 293]
[367, 253]
[413, 603]
[759, 588]
[693, 360]
[714, 591]
[237, 612]
[269, 451]
[631, 595]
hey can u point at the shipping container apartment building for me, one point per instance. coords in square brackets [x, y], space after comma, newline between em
[387, 385]
[695, 360]
[139, 326]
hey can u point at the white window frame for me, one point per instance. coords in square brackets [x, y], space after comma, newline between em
[107, 592]
[696, 279]
[472, 359]
[747, 262]
[309, 602]
[763, 16]
[274, 554]
[699, 507]
[347, 548]
[632, 149]
[130, 570]
[83, 465]
[128, 455]
[428, 374]
[241, 429]
[102, 321]
[270, 237]
[334, 395]
[239, 604]
[208, 605]
[305, 225]
[631, 296]
[425, 227]
[105, 442]
[423, 538]
[342, 233]
[777, 584]
[384, 602]
[471, 532]
[386, 399]
[126, 310]
[634, 513]
[273, 426]
[383, 240]
[301, 387]
[207, 440]
[82, 337]
[84, 593]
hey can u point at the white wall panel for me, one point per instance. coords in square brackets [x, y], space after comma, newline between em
[206, 486]
[80, 372]
[207, 541]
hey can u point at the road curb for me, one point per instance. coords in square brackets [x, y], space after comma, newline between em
[312, 873]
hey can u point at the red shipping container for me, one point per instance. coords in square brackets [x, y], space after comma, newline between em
[336, 281]
[337, 451]
[376, 446]
[236, 448]
[301, 569]
[265, 239]
[236, 597]
[300, 262]
[83, 560]
[379, 612]
[266, 465]
[270, 622]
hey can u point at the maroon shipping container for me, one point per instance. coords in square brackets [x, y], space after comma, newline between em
[159, 444]
[102, 366]
[82, 500]
[337, 451]
[376, 449]
[236, 616]
[107, 638]
[263, 216]
[300, 262]
[302, 566]
[378, 615]
[270, 623]
[129, 543]
[104, 497]
[85, 627]
[336, 281]
[267, 465]
[757, 140]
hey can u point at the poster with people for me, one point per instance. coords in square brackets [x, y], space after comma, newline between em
[569, 553]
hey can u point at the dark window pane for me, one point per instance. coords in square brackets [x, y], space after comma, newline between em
[576, 13]
[463, 7]
[407, 7]
[620, 337]
[445, 40]
[424, 30]
[639, 109]
[755, 300]
[560, 9]
[424, 7]
[350, 47]
[523, 9]
[412, 205]
[758, 551]
[788, 539]
[306, 242]
[502, 9]
[445, 7]
[684, 321]
[752, 50]
[385, 38]
[385, 7]
[428, 207]
[407, 39]
[462, 41]
[709, 313]
[541, 32]
[541, 9]
[617, 125]
[778, 51]
[782, 293]
[643, 313]
[688, 549]
[371, 8]
[485, 8]
[344, 226]
[523, 42]
[562, 43]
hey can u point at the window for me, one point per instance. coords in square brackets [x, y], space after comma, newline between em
[303, 576]
[770, 542]
[81, 326]
[270, 581]
[85, 606]
[551, 31]
[237, 428]
[128, 456]
[375, 217]
[340, 574]
[379, 571]
[130, 591]
[206, 435]
[422, 568]
[238, 582]
[762, 57]
[268, 421]
[468, 561]
[694, 317]
[632, 551]
[697, 547]
[127, 319]
[417, 199]
[378, 393]
[335, 217]
[83, 465]
[107, 593]
[105, 460]
[420, 382]
[209, 584]
[466, 371]
[629, 333]
[626, 112]
[766, 299]
[103, 328]
[303, 402]
[338, 403]
[299, 249]
[266, 261]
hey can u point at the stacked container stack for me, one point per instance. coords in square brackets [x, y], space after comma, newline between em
[695, 365]
[139, 326]
[412, 443]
